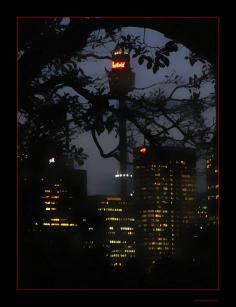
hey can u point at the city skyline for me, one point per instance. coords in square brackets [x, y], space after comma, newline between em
[118, 181]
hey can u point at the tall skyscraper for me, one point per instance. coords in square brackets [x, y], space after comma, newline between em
[164, 192]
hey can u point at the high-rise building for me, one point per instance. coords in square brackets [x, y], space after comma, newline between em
[52, 196]
[115, 229]
[201, 209]
[127, 178]
[164, 193]
[212, 188]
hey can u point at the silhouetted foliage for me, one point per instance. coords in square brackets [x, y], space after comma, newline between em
[58, 117]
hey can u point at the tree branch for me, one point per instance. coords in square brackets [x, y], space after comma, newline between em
[92, 55]
[108, 155]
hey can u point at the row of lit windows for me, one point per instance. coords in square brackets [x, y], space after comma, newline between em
[110, 202]
[119, 219]
[155, 221]
[155, 211]
[123, 251]
[51, 196]
[213, 187]
[110, 209]
[49, 191]
[158, 248]
[158, 243]
[120, 256]
[117, 241]
[49, 202]
[151, 215]
[60, 224]
[126, 228]
[213, 197]
[113, 232]
[50, 209]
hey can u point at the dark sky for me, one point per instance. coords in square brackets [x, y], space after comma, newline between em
[101, 172]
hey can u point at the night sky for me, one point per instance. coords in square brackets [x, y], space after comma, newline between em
[101, 172]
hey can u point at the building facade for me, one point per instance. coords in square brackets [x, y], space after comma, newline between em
[164, 193]
[212, 188]
[116, 229]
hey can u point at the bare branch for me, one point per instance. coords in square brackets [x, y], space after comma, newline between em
[108, 155]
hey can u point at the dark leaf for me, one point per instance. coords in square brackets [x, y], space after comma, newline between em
[149, 65]
[141, 60]
[155, 68]
[165, 60]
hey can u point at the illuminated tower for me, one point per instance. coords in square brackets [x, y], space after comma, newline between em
[121, 81]
[164, 191]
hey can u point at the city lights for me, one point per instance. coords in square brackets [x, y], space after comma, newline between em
[51, 160]
[123, 175]
[143, 218]
[143, 150]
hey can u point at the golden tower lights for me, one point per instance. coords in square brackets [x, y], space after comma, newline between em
[121, 81]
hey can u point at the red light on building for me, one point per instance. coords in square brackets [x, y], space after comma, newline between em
[116, 65]
[143, 150]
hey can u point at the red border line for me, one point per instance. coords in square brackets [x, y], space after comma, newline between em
[17, 159]
[123, 17]
[115, 289]
[17, 165]
[218, 145]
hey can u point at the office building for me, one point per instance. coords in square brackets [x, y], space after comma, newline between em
[115, 229]
[212, 188]
[164, 193]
